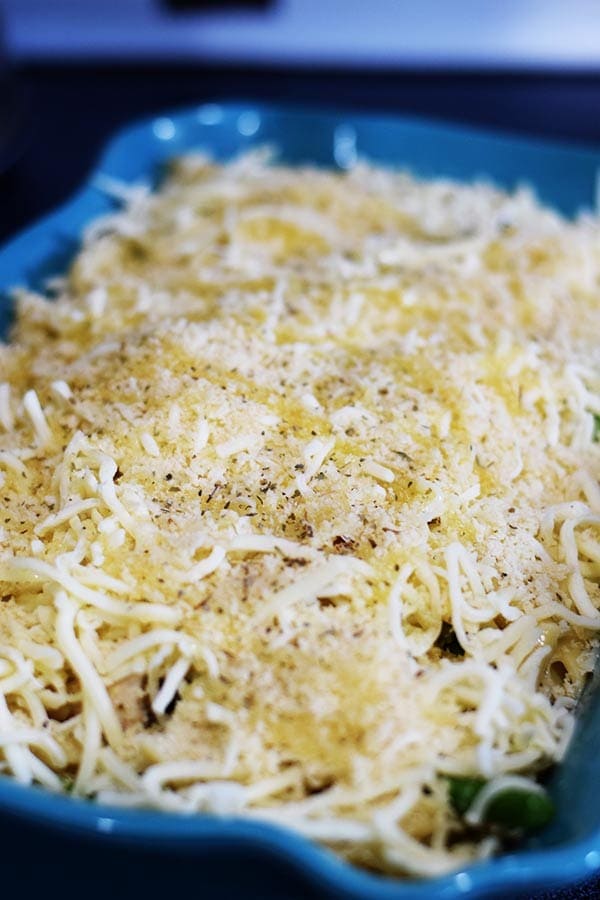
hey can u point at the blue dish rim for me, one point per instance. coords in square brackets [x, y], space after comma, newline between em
[526, 869]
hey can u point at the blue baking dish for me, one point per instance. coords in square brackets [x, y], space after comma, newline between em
[563, 176]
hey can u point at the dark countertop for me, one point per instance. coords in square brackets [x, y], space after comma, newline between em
[68, 113]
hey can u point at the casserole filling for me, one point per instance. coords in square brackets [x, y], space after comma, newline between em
[300, 507]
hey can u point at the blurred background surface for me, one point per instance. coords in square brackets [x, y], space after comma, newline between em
[428, 33]
[74, 71]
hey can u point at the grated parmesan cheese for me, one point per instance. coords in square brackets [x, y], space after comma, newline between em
[6, 413]
[34, 410]
[149, 444]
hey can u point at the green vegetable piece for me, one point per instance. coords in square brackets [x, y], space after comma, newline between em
[520, 809]
[68, 782]
[596, 432]
[514, 809]
[462, 792]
